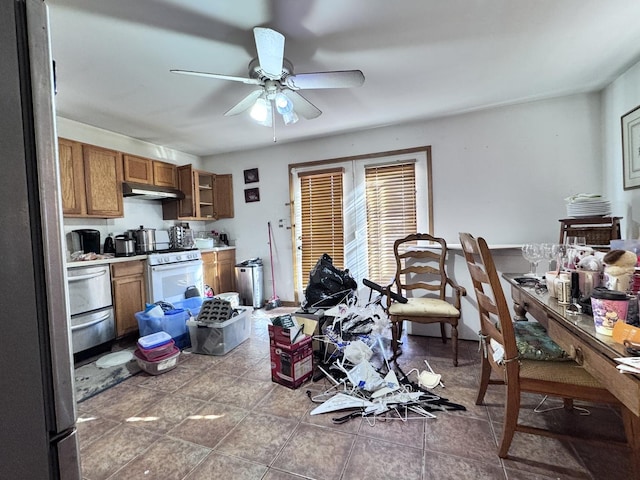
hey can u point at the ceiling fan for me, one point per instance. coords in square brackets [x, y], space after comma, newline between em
[278, 85]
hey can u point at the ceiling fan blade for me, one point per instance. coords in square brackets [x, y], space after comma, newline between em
[303, 106]
[248, 81]
[340, 79]
[245, 103]
[270, 47]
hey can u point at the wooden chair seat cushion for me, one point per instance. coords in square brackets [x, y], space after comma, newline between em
[424, 307]
[561, 372]
[534, 344]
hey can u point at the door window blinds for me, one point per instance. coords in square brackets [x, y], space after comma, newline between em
[321, 203]
[391, 214]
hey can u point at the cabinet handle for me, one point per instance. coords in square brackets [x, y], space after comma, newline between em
[77, 278]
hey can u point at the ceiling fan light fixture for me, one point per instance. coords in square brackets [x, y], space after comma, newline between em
[289, 118]
[261, 112]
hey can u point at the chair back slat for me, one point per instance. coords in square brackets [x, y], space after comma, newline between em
[420, 265]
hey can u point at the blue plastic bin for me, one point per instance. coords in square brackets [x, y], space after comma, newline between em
[173, 322]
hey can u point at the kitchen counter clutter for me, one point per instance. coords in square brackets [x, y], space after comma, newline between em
[105, 259]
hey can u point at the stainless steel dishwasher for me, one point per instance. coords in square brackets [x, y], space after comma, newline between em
[91, 308]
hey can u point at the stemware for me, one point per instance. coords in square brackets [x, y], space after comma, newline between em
[551, 252]
[532, 252]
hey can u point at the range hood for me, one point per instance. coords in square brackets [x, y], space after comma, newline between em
[150, 192]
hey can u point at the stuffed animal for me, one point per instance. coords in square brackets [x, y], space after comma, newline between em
[592, 263]
[619, 268]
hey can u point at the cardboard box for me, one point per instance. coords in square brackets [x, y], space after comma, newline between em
[287, 337]
[293, 366]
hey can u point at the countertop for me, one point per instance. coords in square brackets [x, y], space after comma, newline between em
[106, 261]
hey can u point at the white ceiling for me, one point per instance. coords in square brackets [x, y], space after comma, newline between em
[422, 59]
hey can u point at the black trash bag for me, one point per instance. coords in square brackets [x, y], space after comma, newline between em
[328, 285]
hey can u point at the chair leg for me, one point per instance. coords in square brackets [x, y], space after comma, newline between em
[454, 343]
[511, 411]
[443, 334]
[632, 431]
[396, 334]
[485, 375]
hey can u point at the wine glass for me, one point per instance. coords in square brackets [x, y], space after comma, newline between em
[550, 252]
[532, 252]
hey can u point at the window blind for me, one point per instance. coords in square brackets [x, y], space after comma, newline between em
[391, 214]
[321, 200]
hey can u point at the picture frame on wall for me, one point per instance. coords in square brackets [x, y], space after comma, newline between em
[251, 175]
[630, 123]
[252, 195]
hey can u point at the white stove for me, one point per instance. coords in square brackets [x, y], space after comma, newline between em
[171, 273]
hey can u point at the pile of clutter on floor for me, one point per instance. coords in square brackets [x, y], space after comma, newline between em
[369, 390]
[349, 344]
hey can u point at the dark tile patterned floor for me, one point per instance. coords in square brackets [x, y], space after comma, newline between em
[222, 417]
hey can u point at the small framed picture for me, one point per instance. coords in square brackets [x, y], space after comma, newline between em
[252, 195]
[251, 176]
[630, 123]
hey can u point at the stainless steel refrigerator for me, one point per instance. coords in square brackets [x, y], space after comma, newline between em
[37, 409]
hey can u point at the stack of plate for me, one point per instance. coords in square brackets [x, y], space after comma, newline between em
[587, 205]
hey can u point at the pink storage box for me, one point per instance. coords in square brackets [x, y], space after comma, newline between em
[159, 365]
[156, 345]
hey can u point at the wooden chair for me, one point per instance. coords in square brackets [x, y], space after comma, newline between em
[422, 270]
[564, 379]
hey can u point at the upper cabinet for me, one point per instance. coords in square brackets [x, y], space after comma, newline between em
[91, 180]
[72, 177]
[165, 174]
[150, 172]
[207, 196]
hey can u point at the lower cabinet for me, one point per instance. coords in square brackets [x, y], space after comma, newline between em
[219, 270]
[129, 294]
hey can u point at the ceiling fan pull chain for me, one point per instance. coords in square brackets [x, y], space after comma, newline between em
[273, 123]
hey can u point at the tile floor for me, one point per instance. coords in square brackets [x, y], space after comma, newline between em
[222, 417]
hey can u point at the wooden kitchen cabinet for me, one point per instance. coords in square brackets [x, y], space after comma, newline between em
[72, 177]
[103, 181]
[219, 270]
[207, 196]
[223, 196]
[91, 180]
[129, 294]
[165, 174]
[150, 172]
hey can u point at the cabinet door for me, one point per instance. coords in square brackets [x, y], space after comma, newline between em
[209, 270]
[226, 271]
[103, 181]
[71, 177]
[138, 170]
[223, 196]
[186, 206]
[129, 294]
[165, 174]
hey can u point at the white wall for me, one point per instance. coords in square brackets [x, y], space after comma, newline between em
[618, 98]
[502, 174]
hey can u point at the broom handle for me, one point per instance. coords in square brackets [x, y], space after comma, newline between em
[273, 280]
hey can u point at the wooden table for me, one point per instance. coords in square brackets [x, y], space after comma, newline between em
[576, 335]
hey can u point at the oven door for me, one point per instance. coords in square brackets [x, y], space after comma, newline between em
[170, 281]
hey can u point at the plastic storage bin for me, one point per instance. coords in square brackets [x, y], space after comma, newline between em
[218, 338]
[173, 322]
[159, 365]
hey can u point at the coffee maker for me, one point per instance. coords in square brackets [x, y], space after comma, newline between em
[87, 240]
